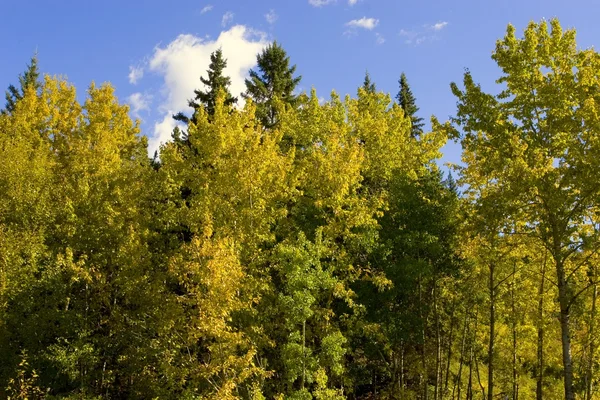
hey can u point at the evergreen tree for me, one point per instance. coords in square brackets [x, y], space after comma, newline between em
[407, 101]
[274, 80]
[368, 85]
[29, 78]
[451, 184]
[216, 81]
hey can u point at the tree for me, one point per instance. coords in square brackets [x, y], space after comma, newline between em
[216, 81]
[408, 103]
[368, 85]
[225, 191]
[274, 80]
[29, 78]
[536, 144]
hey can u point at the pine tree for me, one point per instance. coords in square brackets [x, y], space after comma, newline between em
[407, 101]
[368, 85]
[29, 78]
[451, 184]
[274, 80]
[216, 81]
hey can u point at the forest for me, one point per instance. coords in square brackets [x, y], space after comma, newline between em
[285, 247]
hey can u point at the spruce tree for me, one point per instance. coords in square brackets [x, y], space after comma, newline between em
[29, 78]
[368, 85]
[407, 101]
[216, 81]
[274, 79]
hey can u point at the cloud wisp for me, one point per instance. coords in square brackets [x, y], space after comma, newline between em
[363, 23]
[227, 19]
[438, 26]
[139, 102]
[206, 9]
[135, 74]
[320, 3]
[428, 33]
[271, 17]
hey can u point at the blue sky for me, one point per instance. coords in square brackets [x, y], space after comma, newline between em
[154, 52]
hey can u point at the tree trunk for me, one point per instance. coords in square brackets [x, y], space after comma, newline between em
[565, 328]
[438, 350]
[479, 378]
[423, 375]
[492, 332]
[470, 387]
[539, 390]
[303, 352]
[449, 354]
[589, 373]
[515, 390]
[402, 370]
[457, 382]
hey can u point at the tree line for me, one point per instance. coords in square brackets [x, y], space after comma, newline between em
[290, 248]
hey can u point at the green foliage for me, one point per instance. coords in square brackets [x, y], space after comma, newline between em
[322, 258]
[407, 102]
[29, 79]
[273, 81]
[369, 86]
[215, 82]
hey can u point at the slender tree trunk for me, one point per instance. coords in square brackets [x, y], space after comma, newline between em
[438, 350]
[402, 370]
[539, 390]
[470, 387]
[565, 328]
[515, 390]
[457, 382]
[303, 352]
[423, 375]
[449, 353]
[492, 332]
[479, 378]
[591, 343]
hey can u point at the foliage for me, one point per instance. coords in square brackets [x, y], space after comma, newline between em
[296, 248]
[273, 81]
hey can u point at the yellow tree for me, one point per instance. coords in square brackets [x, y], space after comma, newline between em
[228, 189]
[538, 142]
[26, 213]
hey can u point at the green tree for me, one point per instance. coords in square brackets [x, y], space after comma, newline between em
[368, 85]
[215, 82]
[29, 78]
[274, 80]
[535, 144]
[408, 103]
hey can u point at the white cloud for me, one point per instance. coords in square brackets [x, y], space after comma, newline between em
[364, 22]
[320, 3]
[206, 9]
[185, 59]
[139, 102]
[135, 74]
[352, 2]
[439, 26]
[227, 18]
[271, 17]
[409, 35]
[427, 33]
[379, 39]
[162, 133]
